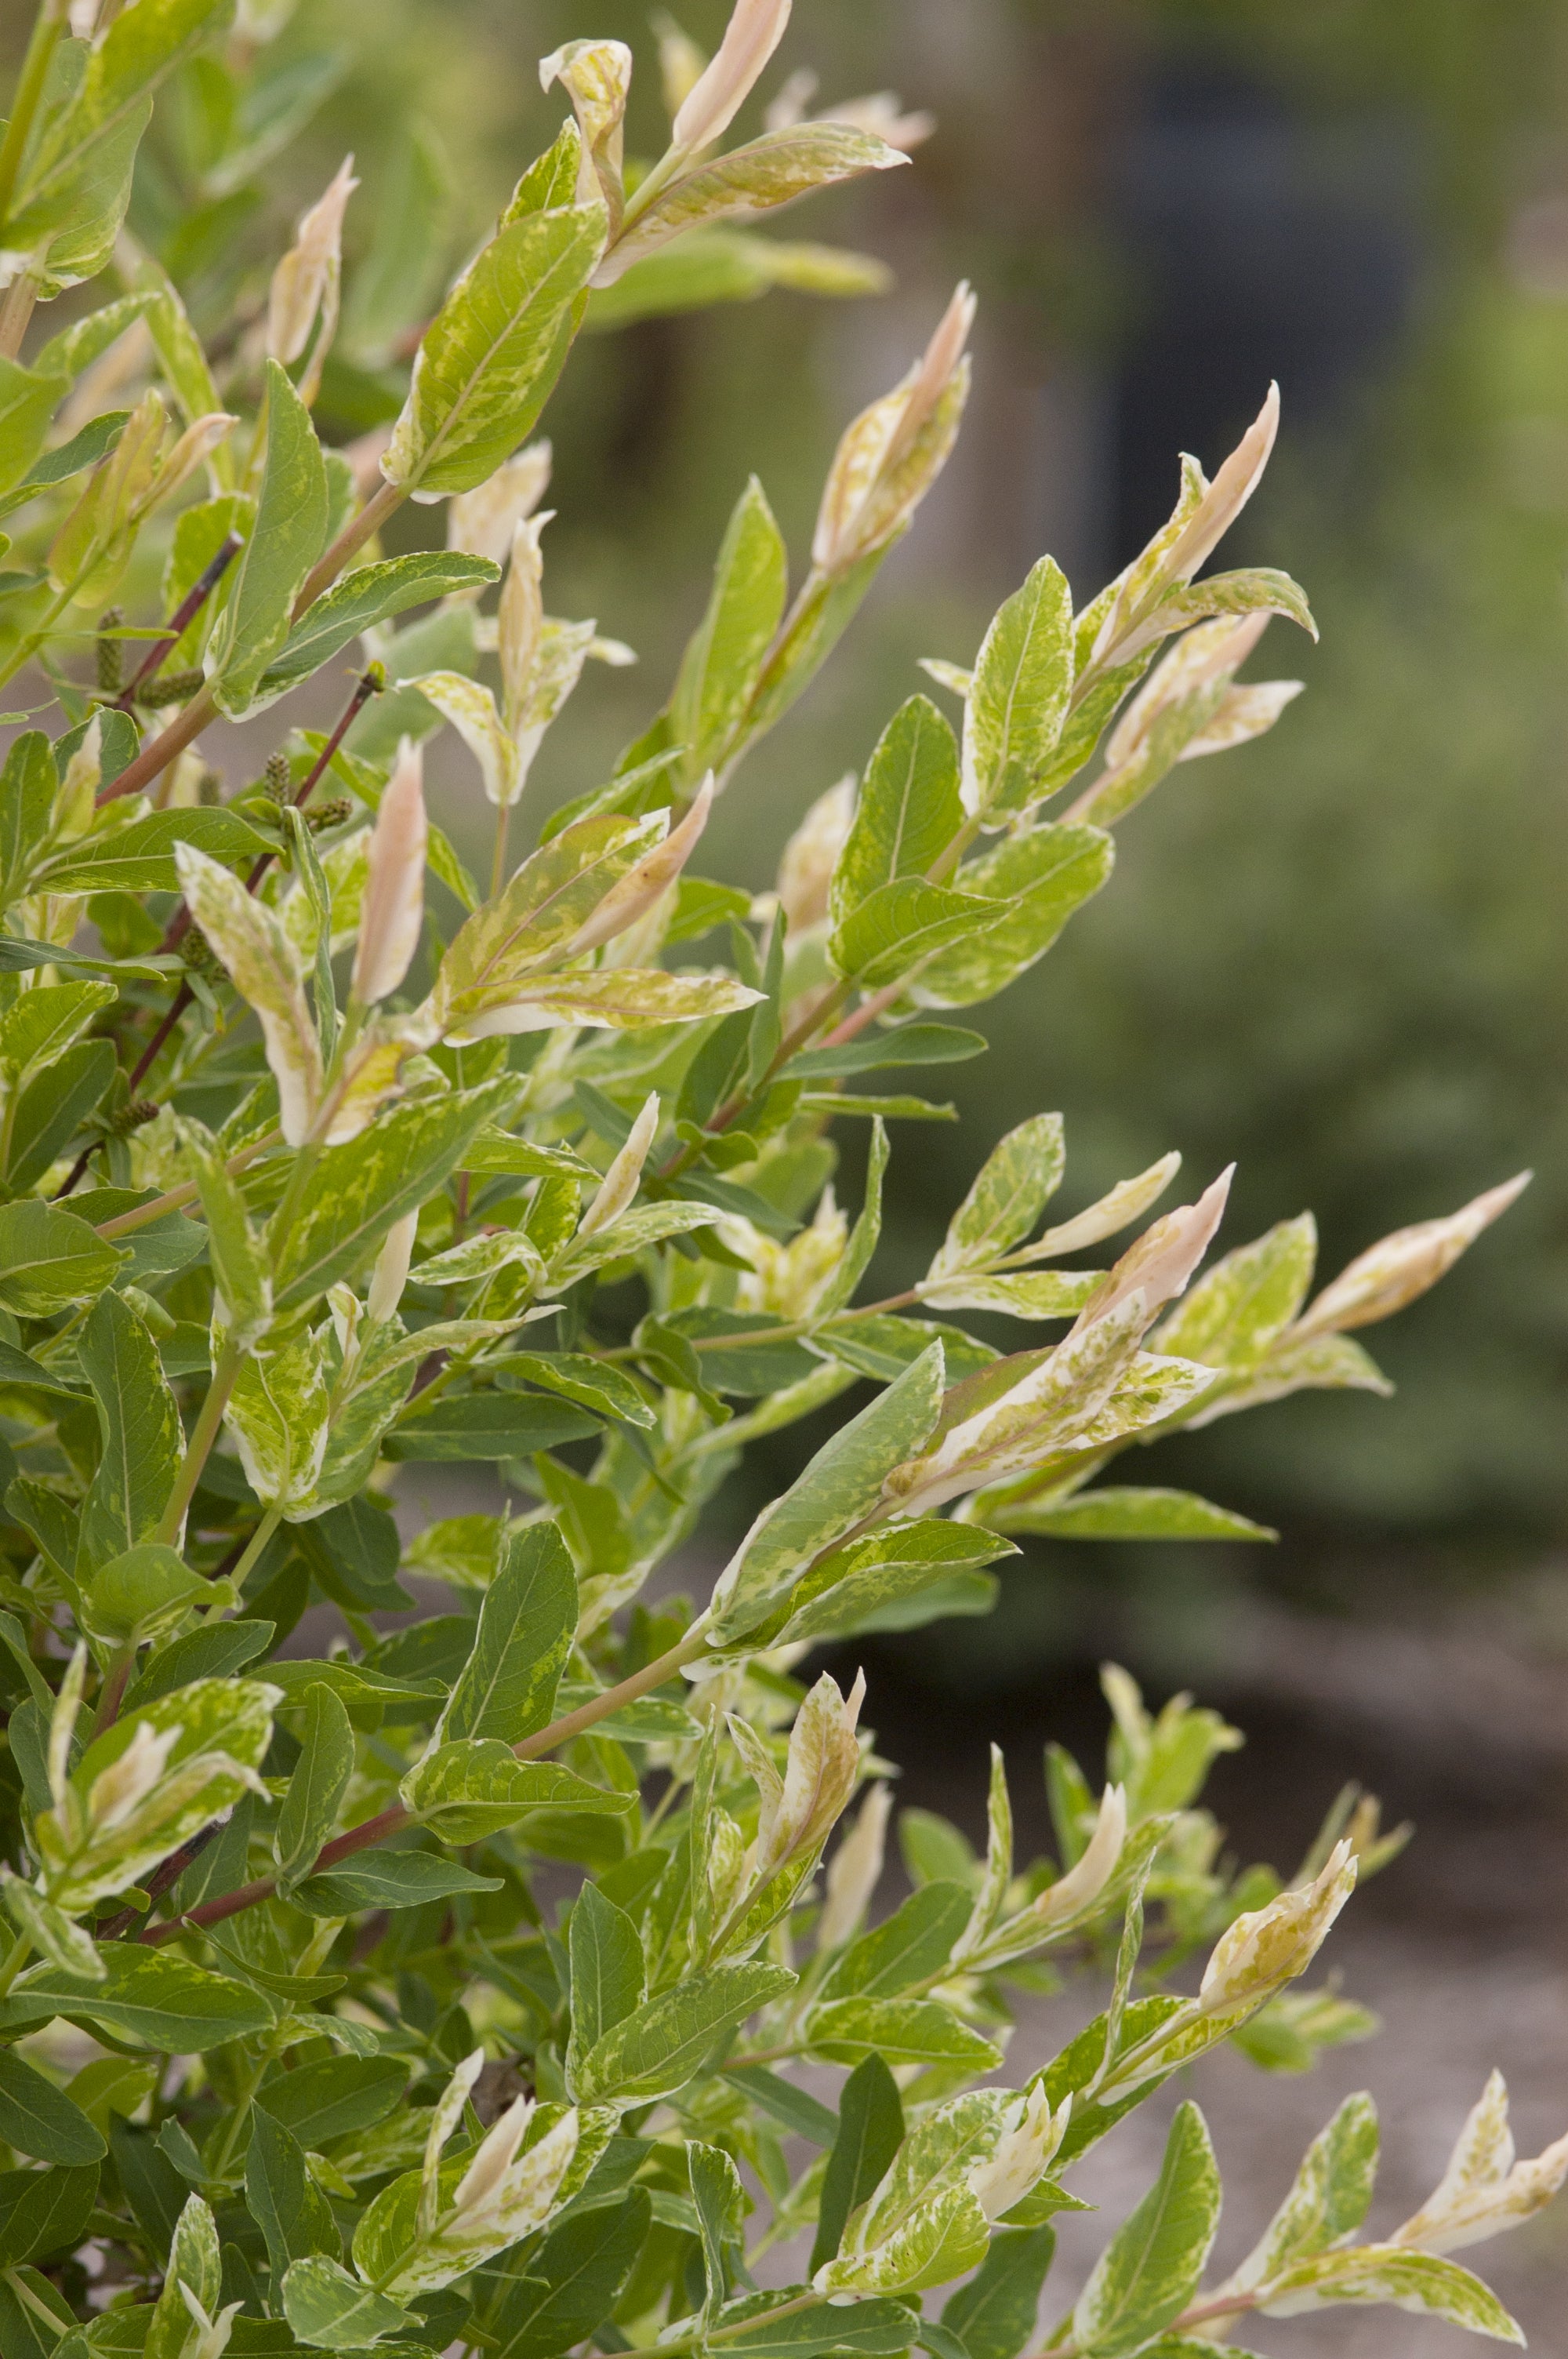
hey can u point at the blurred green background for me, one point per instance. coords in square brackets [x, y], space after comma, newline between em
[1338, 955]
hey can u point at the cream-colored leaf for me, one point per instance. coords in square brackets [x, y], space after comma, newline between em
[265, 968]
[1383, 1279]
[470, 709]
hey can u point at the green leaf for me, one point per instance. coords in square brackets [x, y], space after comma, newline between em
[332, 2310]
[194, 2268]
[1149, 2271]
[25, 2336]
[880, 1346]
[28, 784]
[461, 1426]
[1423, 2282]
[749, 1367]
[769, 171]
[315, 1788]
[1013, 1187]
[720, 2199]
[216, 1652]
[590, 1382]
[140, 1426]
[995, 2312]
[334, 2095]
[606, 1982]
[908, 811]
[1291, 2033]
[490, 355]
[49, 1259]
[840, 1484]
[281, 2196]
[659, 2047]
[1241, 1307]
[28, 401]
[37, 2118]
[47, 1019]
[1328, 2200]
[143, 1594]
[355, 1192]
[616, 999]
[905, 1044]
[241, 1277]
[465, 1791]
[507, 1687]
[139, 857]
[1018, 696]
[723, 659]
[369, 595]
[53, 1108]
[388, 1879]
[1038, 877]
[1032, 1294]
[1132, 1513]
[719, 266]
[912, 1947]
[870, 2131]
[44, 2211]
[573, 2282]
[1254, 590]
[86, 447]
[291, 522]
[148, 1997]
[901, 2031]
[898, 927]
[77, 180]
[796, 2108]
[851, 1589]
[869, 2328]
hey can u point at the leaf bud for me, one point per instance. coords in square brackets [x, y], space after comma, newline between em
[1269, 1947]
[391, 1273]
[110, 652]
[483, 522]
[1394, 1272]
[752, 33]
[855, 1869]
[393, 905]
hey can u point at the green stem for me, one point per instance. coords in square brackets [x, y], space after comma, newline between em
[14, 313]
[811, 1026]
[236, 2121]
[353, 537]
[175, 1198]
[173, 740]
[254, 1548]
[48, 26]
[1200, 2313]
[20, 1952]
[498, 859]
[139, 773]
[203, 1434]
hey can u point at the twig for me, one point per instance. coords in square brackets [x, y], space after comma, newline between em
[370, 684]
[392, 1820]
[179, 622]
[201, 710]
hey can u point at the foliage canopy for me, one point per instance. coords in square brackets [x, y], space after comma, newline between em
[437, 1988]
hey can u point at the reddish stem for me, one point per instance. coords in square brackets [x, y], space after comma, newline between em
[369, 684]
[179, 622]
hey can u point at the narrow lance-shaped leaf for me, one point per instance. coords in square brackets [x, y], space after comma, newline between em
[315, 1788]
[284, 542]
